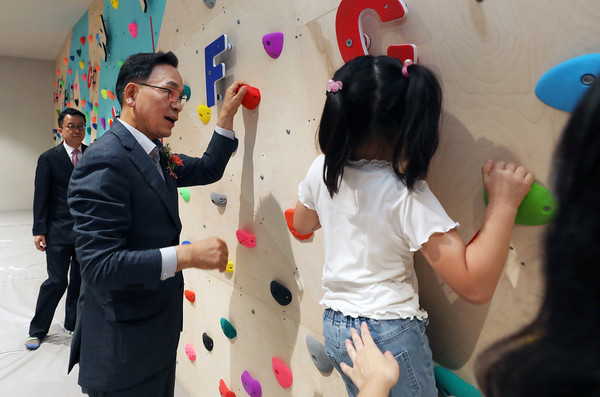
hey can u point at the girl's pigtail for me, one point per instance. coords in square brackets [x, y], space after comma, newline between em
[420, 124]
[333, 140]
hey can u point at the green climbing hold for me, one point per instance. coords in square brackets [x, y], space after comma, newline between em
[228, 329]
[449, 384]
[187, 91]
[537, 208]
[120, 63]
[185, 193]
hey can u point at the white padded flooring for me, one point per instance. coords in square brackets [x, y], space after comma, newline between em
[25, 373]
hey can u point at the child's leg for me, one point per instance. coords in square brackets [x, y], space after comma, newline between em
[406, 340]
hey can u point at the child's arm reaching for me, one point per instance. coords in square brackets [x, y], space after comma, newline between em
[473, 271]
[305, 220]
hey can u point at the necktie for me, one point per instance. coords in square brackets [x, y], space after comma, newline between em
[75, 157]
[155, 157]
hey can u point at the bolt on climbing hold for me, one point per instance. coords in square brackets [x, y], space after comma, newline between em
[280, 293]
[245, 238]
[282, 373]
[208, 342]
[251, 385]
[190, 352]
[228, 329]
[190, 295]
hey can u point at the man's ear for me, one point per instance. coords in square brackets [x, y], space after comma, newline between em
[129, 93]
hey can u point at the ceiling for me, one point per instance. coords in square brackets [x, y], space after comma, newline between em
[37, 29]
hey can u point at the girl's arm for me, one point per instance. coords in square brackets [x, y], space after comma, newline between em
[305, 220]
[473, 271]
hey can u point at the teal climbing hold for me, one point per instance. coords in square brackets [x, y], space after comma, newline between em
[537, 208]
[184, 193]
[187, 92]
[449, 384]
[228, 329]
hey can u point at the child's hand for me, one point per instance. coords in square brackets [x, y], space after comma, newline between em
[370, 365]
[505, 183]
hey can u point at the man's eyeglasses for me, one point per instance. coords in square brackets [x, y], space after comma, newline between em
[181, 99]
[73, 127]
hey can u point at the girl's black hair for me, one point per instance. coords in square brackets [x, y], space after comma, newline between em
[377, 102]
[558, 354]
[138, 67]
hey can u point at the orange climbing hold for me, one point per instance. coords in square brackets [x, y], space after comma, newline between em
[289, 219]
[190, 295]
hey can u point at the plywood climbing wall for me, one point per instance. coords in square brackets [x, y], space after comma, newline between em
[489, 56]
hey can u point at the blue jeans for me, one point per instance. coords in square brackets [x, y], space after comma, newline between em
[404, 338]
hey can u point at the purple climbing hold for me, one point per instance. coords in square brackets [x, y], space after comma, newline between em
[273, 43]
[251, 385]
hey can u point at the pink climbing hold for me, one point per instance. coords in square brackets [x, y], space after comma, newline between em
[190, 352]
[273, 43]
[282, 373]
[245, 238]
[133, 29]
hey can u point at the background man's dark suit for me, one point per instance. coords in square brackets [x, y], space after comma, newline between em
[130, 320]
[51, 217]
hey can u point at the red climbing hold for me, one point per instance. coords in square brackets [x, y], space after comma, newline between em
[252, 97]
[224, 390]
[190, 295]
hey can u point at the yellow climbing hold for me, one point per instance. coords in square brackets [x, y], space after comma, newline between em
[81, 65]
[204, 113]
[104, 93]
[229, 268]
[114, 3]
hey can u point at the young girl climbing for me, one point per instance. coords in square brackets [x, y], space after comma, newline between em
[378, 133]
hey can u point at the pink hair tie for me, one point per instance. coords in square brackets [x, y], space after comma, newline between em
[407, 63]
[334, 86]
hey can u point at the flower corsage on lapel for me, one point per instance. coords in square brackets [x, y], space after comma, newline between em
[172, 160]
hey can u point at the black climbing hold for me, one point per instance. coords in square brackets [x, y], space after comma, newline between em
[208, 342]
[281, 294]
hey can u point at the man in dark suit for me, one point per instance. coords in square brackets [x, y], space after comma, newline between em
[125, 206]
[53, 227]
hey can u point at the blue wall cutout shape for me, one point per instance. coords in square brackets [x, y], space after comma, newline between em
[214, 72]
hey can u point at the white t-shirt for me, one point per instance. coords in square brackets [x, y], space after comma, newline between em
[371, 229]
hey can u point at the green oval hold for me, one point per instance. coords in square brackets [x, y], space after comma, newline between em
[537, 208]
[185, 193]
[187, 91]
[228, 329]
[450, 384]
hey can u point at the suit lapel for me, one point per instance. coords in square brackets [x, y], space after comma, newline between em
[63, 157]
[145, 165]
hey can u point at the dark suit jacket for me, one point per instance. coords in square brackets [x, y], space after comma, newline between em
[129, 320]
[51, 215]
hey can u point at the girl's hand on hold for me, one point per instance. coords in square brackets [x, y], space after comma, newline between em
[505, 183]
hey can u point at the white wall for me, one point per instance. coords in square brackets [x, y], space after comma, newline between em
[27, 117]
